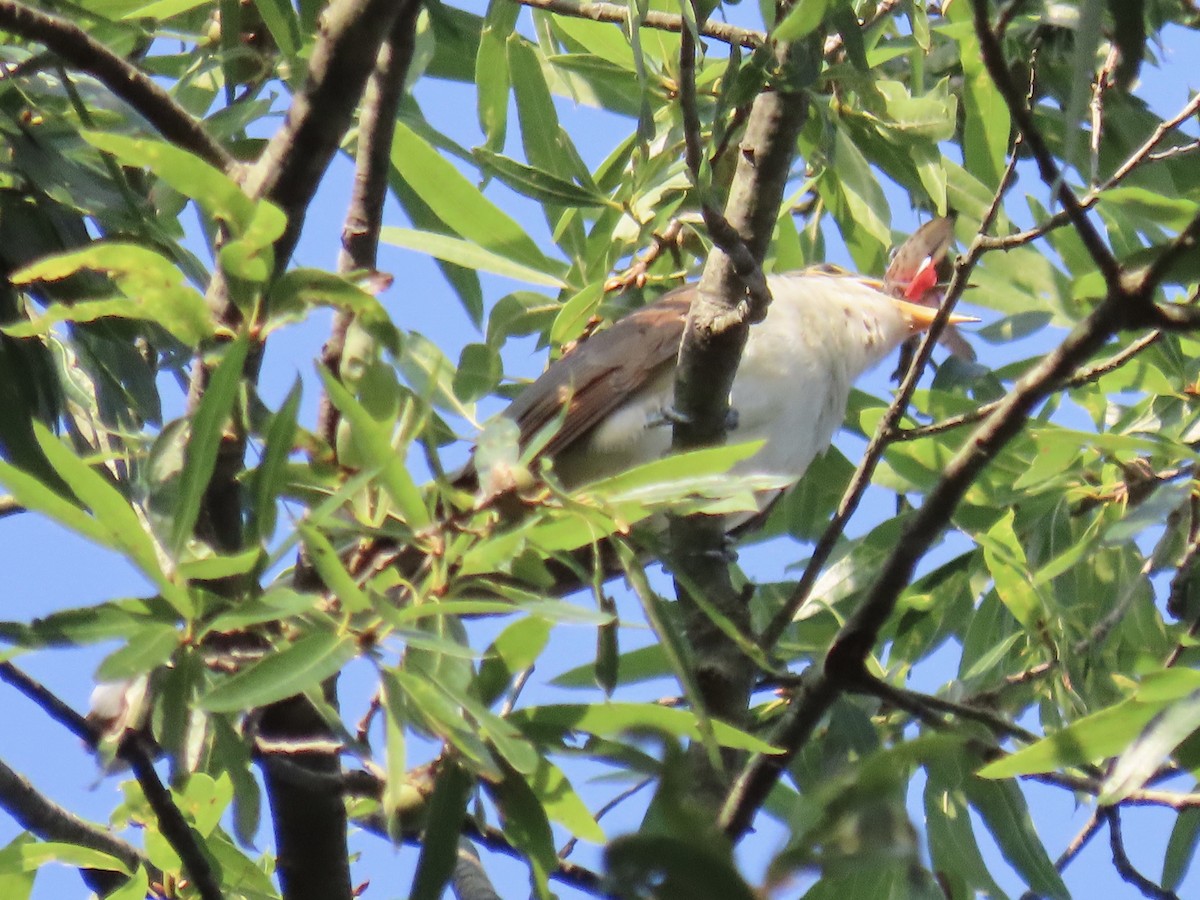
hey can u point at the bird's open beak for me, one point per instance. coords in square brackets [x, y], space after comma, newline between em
[921, 317]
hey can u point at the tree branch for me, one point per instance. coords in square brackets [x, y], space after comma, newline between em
[171, 823]
[619, 15]
[296, 157]
[372, 163]
[1126, 868]
[135, 87]
[1018, 108]
[41, 816]
[715, 334]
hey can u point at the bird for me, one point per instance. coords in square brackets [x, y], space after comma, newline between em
[612, 395]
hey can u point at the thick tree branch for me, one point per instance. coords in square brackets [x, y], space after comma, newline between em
[171, 823]
[295, 159]
[139, 90]
[717, 328]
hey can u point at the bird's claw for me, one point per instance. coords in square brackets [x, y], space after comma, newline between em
[669, 415]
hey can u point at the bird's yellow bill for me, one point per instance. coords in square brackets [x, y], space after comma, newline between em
[921, 317]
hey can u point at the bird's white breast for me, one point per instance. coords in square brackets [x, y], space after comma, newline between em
[791, 388]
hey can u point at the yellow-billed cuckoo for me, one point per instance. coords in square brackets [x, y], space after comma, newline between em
[824, 329]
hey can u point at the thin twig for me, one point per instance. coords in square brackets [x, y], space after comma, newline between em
[1082, 377]
[1081, 840]
[619, 15]
[1019, 109]
[1144, 153]
[569, 847]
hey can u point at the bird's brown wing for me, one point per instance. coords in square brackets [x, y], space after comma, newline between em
[603, 371]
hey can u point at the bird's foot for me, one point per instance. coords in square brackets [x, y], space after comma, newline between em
[669, 415]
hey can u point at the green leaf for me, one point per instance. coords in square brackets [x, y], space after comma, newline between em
[439, 849]
[1172, 213]
[1003, 809]
[326, 560]
[526, 825]
[146, 650]
[444, 718]
[204, 442]
[219, 195]
[491, 71]
[152, 286]
[1166, 731]
[1181, 848]
[470, 255]
[479, 371]
[282, 673]
[803, 19]
[562, 804]
[575, 314]
[1006, 561]
[281, 20]
[298, 290]
[1087, 740]
[270, 477]
[611, 720]
[36, 855]
[953, 847]
[116, 520]
[16, 882]
[538, 184]
[986, 123]
[275, 604]
[458, 203]
[861, 208]
[374, 442]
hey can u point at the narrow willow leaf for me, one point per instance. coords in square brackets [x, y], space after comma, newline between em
[803, 19]
[295, 293]
[491, 71]
[614, 719]
[153, 290]
[470, 255]
[461, 205]
[1003, 809]
[146, 649]
[375, 445]
[283, 673]
[538, 184]
[218, 194]
[121, 524]
[1090, 739]
[325, 560]
[204, 442]
[270, 477]
[439, 849]
[281, 20]
[35, 856]
[1166, 731]
[562, 804]
[528, 827]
